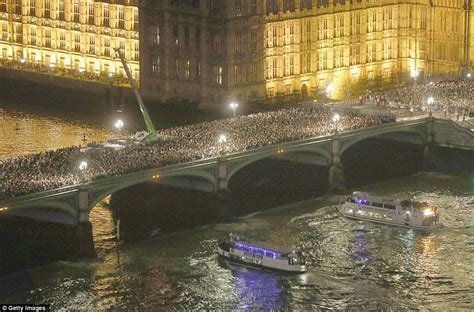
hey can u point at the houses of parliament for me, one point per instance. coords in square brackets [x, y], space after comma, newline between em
[222, 51]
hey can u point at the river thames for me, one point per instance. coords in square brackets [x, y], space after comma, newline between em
[353, 265]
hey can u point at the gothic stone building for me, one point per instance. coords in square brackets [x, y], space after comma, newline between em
[72, 38]
[218, 51]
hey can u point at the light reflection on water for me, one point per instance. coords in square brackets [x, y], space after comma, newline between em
[354, 265]
[23, 133]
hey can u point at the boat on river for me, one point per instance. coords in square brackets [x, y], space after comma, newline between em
[405, 213]
[260, 255]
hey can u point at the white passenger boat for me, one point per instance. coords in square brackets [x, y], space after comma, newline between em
[259, 255]
[405, 213]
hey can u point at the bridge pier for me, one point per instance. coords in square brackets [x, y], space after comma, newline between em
[84, 237]
[336, 170]
[223, 194]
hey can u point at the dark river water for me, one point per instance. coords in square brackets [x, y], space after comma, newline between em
[354, 265]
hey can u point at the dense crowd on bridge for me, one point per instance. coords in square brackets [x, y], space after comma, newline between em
[54, 169]
[453, 98]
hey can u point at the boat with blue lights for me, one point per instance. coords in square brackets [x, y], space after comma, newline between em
[260, 255]
[405, 213]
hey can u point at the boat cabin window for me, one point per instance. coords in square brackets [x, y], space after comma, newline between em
[388, 206]
[380, 205]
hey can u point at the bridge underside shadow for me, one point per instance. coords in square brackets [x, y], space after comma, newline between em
[27, 242]
[382, 158]
[170, 204]
[271, 182]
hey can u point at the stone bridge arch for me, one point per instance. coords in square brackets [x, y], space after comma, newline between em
[104, 192]
[315, 150]
[347, 143]
[53, 206]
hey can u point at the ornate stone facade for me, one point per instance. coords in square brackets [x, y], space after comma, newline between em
[220, 51]
[74, 38]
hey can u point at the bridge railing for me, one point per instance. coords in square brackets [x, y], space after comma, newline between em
[39, 195]
[213, 160]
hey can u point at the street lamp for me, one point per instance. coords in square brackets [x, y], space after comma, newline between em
[329, 89]
[415, 75]
[336, 119]
[119, 124]
[222, 141]
[83, 167]
[430, 102]
[234, 106]
[469, 75]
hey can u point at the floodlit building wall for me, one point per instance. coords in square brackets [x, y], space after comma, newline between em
[74, 38]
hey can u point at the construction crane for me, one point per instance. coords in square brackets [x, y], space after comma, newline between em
[152, 136]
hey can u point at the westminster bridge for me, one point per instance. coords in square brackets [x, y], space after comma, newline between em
[213, 174]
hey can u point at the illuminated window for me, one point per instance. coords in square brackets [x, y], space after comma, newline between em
[155, 34]
[135, 19]
[122, 46]
[61, 9]
[75, 8]
[176, 35]
[198, 70]
[47, 9]
[77, 42]
[32, 7]
[177, 68]
[90, 12]
[217, 74]
[275, 68]
[155, 65]
[4, 31]
[136, 51]
[121, 18]
[47, 37]
[238, 7]
[62, 40]
[17, 7]
[33, 35]
[238, 74]
[105, 14]
[106, 46]
[92, 44]
[187, 70]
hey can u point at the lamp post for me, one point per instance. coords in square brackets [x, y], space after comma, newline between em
[234, 106]
[51, 69]
[83, 168]
[415, 75]
[336, 119]
[222, 141]
[119, 124]
[81, 72]
[430, 102]
[22, 64]
[469, 76]
[329, 90]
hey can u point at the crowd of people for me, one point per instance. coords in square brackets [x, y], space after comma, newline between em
[454, 98]
[54, 169]
[103, 77]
